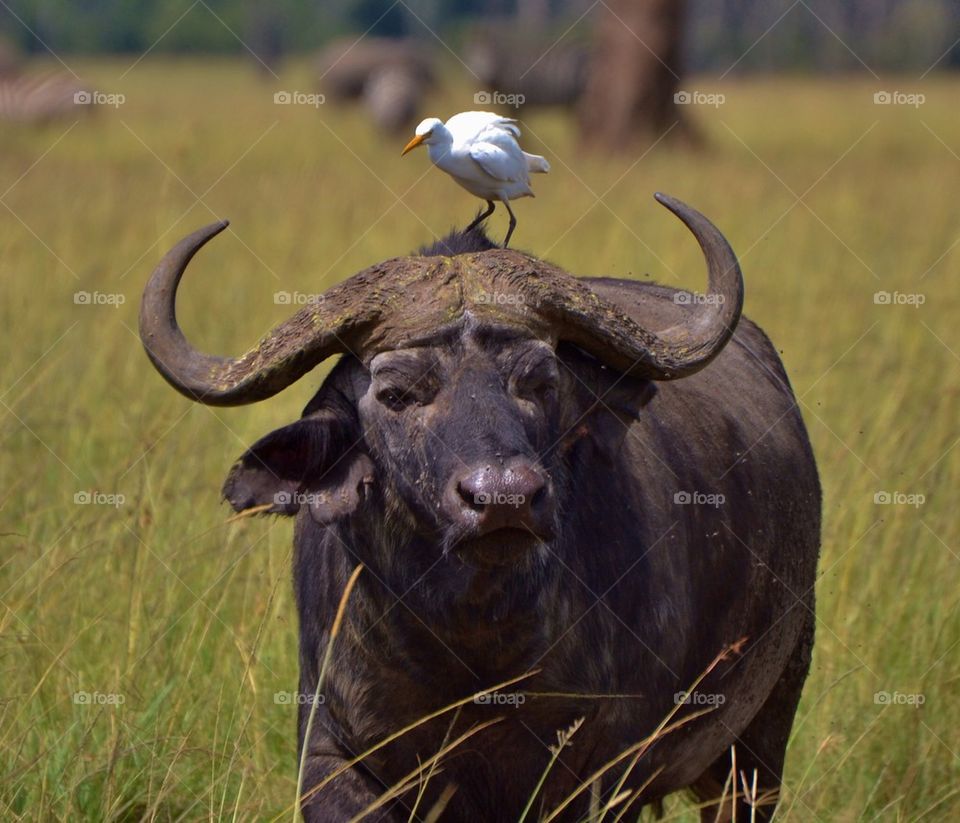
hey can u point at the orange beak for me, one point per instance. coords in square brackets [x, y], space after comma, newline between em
[413, 143]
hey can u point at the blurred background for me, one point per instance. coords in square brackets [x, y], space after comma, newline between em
[147, 645]
[888, 35]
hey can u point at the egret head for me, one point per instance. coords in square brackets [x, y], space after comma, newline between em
[429, 131]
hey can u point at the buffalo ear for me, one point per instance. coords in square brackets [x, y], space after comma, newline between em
[342, 489]
[274, 468]
[297, 464]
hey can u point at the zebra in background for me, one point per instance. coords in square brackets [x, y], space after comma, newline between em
[42, 97]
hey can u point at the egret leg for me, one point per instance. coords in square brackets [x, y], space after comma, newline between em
[513, 223]
[481, 217]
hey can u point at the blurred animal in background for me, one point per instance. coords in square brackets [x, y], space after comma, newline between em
[389, 76]
[479, 150]
[38, 96]
[392, 97]
[42, 97]
[536, 69]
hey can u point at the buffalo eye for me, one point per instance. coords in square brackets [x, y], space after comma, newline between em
[395, 399]
[399, 396]
[535, 376]
[404, 379]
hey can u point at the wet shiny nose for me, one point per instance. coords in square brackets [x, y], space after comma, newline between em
[514, 496]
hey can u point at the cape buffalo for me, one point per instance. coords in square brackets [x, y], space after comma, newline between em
[536, 68]
[589, 486]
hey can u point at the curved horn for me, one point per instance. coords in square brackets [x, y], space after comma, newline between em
[608, 329]
[337, 323]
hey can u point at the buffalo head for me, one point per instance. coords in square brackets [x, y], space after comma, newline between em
[444, 426]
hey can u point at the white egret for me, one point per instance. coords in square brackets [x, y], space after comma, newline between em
[479, 150]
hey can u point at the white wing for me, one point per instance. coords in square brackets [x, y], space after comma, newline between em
[500, 162]
[496, 150]
[469, 124]
[505, 124]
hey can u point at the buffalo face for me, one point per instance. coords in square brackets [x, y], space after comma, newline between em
[462, 433]
[446, 449]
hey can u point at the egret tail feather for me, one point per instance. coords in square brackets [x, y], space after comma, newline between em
[536, 163]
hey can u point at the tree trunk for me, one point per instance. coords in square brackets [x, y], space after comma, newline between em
[633, 75]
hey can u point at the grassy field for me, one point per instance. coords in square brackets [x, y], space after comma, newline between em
[120, 578]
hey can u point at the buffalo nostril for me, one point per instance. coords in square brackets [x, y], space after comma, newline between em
[539, 497]
[474, 498]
